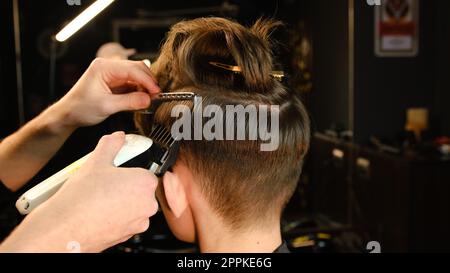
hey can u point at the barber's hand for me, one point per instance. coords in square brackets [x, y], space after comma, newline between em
[107, 87]
[98, 207]
[112, 203]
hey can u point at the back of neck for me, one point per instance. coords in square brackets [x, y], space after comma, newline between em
[253, 240]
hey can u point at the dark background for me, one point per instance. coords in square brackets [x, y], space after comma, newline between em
[383, 89]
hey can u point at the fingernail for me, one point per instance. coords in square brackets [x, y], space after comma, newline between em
[119, 133]
[145, 101]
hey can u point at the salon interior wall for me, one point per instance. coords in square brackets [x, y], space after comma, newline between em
[442, 65]
[328, 101]
[386, 87]
[383, 87]
[8, 97]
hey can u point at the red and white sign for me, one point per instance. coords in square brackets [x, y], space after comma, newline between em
[397, 28]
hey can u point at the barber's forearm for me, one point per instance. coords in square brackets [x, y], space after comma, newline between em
[45, 230]
[26, 151]
[36, 234]
[58, 227]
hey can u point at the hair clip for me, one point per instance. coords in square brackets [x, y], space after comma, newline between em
[232, 68]
[278, 75]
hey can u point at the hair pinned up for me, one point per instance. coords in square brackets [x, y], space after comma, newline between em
[191, 46]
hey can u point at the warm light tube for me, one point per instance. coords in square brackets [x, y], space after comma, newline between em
[87, 15]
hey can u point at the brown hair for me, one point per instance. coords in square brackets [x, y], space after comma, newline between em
[241, 183]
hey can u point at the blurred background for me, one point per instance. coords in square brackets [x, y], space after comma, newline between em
[374, 78]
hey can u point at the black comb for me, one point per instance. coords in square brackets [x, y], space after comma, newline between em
[164, 151]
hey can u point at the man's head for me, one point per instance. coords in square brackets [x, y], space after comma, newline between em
[231, 180]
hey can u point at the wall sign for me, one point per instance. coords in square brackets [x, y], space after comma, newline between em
[397, 28]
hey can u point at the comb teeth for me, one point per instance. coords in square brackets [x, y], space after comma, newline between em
[174, 96]
[161, 135]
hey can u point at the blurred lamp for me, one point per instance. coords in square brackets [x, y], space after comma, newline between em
[417, 121]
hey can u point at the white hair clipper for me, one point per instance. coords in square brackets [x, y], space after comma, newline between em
[158, 153]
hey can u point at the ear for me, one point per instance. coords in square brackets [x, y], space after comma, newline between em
[175, 193]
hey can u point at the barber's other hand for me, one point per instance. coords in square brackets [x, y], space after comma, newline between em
[107, 87]
[98, 207]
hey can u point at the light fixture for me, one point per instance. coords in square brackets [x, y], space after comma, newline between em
[82, 19]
